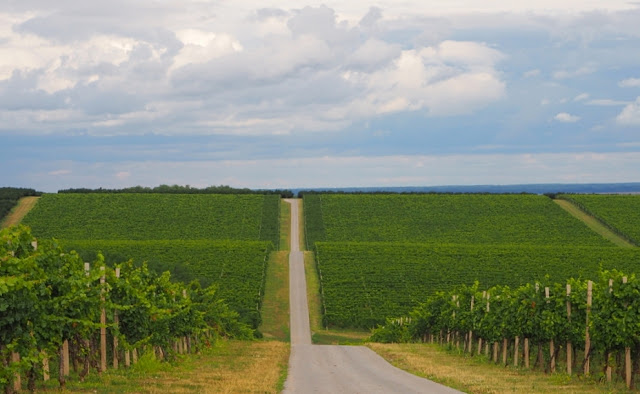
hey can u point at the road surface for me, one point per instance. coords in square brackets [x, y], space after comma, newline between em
[336, 369]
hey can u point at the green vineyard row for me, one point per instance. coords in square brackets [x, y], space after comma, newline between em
[236, 268]
[49, 297]
[364, 283]
[444, 218]
[156, 216]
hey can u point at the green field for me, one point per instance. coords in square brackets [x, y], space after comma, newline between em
[157, 216]
[619, 212]
[216, 239]
[362, 283]
[380, 255]
[444, 218]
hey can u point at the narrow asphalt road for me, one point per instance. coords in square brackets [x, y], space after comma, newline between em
[336, 369]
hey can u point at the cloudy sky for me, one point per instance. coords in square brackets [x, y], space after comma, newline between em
[299, 94]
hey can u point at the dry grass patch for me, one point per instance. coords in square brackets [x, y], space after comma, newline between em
[475, 375]
[25, 204]
[237, 367]
[228, 367]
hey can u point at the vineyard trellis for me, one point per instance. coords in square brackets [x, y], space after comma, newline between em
[54, 306]
[600, 321]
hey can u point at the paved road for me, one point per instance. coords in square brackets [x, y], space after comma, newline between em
[336, 369]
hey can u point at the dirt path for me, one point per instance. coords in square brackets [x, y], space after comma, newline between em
[19, 212]
[594, 224]
[336, 369]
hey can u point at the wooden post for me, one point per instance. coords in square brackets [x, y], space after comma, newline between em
[45, 366]
[103, 326]
[495, 352]
[116, 322]
[526, 353]
[127, 358]
[569, 344]
[587, 338]
[504, 351]
[471, 331]
[454, 316]
[17, 381]
[552, 347]
[34, 244]
[516, 351]
[479, 346]
[627, 353]
[607, 354]
[134, 355]
[65, 358]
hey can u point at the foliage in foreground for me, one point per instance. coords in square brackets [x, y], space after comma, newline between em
[47, 297]
[543, 312]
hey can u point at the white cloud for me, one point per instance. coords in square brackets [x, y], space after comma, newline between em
[59, 172]
[358, 171]
[630, 115]
[581, 97]
[607, 102]
[566, 118]
[582, 71]
[531, 73]
[630, 83]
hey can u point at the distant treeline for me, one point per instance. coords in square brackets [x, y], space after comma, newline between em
[9, 197]
[178, 189]
[301, 193]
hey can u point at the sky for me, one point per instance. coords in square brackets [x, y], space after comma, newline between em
[296, 94]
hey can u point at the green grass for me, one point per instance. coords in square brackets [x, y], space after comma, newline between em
[275, 304]
[285, 225]
[621, 213]
[595, 224]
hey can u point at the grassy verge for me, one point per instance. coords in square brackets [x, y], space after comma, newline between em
[19, 211]
[319, 335]
[285, 225]
[275, 304]
[594, 224]
[301, 225]
[228, 367]
[476, 375]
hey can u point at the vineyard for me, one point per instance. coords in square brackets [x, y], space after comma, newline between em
[381, 255]
[217, 239]
[59, 312]
[364, 283]
[437, 218]
[156, 216]
[236, 267]
[590, 327]
[619, 212]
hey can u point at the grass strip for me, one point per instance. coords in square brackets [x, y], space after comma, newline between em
[476, 375]
[275, 304]
[227, 367]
